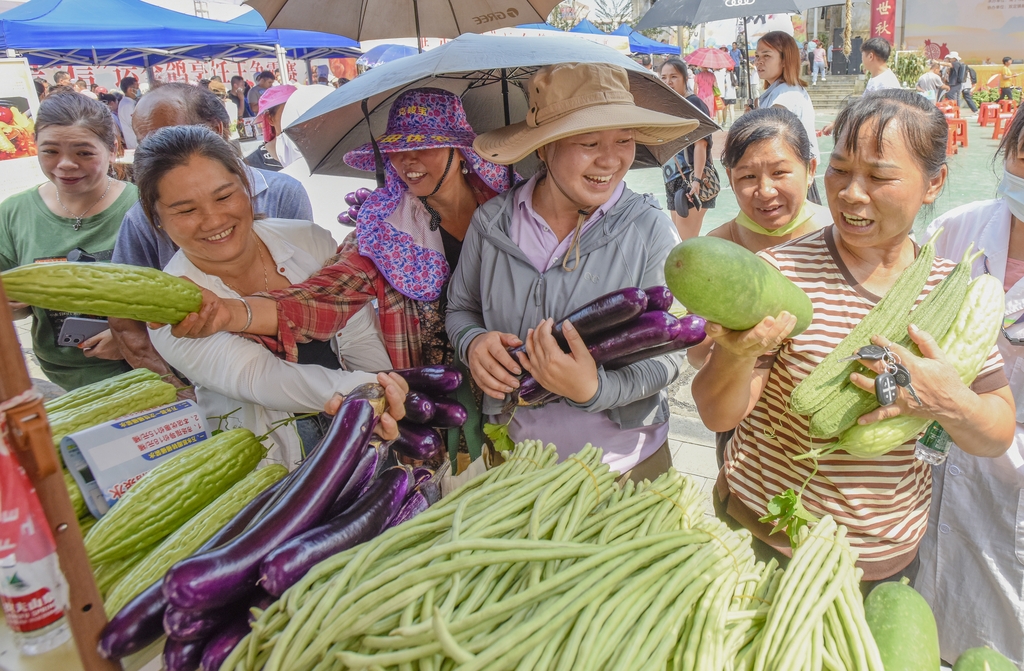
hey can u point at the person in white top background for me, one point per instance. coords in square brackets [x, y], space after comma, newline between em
[126, 108]
[820, 66]
[875, 57]
[972, 556]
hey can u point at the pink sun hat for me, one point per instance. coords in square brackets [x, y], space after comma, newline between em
[274, 96]
[426, 118]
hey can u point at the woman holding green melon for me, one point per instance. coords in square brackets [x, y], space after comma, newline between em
[888, 161]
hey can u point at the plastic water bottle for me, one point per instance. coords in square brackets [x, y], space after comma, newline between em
[31, 606]
[933, 445]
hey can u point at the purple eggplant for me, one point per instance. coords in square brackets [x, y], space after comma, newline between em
[197, 625]
[345, 220]
[218, 577]
[362, 194]
[366, 471]
[692, 333]
[419, 499]
[141, 621]
[601, 314]
[183, 655]
[353, 213]
[223, 642]
[366, 519]
[419, 408]
[433, 380]
[658, 298]
[351, 198]
[421, 474]
[417, 442]
[448, 414]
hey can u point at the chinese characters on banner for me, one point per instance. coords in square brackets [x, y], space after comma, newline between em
[187, 71]
[883, 19]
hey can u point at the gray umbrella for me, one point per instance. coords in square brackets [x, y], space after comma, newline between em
[489, 73]
[693, 12]
[387, 19]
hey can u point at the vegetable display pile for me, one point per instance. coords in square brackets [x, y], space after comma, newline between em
[619, 329]
[540, 565]
[104, 289]
[203, 538]
[428, 409]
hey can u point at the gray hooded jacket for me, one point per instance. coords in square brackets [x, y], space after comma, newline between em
[496, 288]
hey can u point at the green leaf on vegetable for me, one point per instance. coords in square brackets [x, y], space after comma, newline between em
[498, 433]
[789, 515]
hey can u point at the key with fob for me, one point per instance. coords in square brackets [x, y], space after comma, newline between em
[868, 353]
[902, 378]
[886, 389]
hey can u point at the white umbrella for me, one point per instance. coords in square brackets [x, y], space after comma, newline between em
[385, 19]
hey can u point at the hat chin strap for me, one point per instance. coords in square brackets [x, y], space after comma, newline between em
[435, 216]
[583, 214]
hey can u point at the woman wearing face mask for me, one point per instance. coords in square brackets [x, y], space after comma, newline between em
[768, 162]
[777, 59]
[266, 156]
[80, 207]
[571, 233]
[972, 565]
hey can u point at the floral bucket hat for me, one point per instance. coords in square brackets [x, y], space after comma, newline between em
[394, 232]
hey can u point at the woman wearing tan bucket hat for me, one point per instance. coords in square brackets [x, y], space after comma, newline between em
[565, 237]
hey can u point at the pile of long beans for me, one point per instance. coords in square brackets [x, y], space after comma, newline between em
[534, 565]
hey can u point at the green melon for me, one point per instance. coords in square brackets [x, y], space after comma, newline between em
[983, 659]
[903, 627]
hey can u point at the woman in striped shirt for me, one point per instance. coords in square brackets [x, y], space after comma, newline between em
[889, 160]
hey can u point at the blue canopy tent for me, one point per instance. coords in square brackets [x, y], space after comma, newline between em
[540, 26]
[641, 44]
[585, 26]
[301, 44]
[122, 32]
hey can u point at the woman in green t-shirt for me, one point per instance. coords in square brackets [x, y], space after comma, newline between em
[77, 212]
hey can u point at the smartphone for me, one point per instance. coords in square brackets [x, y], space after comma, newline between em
[77, 330]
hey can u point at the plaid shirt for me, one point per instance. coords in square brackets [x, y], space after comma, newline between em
[322, 305]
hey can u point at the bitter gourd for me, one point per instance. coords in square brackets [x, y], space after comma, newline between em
[104, 289]
[77, 500]
[172, 493]
[967, 345]
[137, 397]
[90, 392]
[191, 536]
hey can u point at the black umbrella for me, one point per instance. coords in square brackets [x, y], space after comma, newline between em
[488, 72]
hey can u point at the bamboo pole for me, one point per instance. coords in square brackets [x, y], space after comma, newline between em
[33, 446]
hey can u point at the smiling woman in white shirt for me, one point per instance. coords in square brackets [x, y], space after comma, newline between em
[197, 193]
[972, 556]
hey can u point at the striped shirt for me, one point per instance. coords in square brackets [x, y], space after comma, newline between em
[884, 502]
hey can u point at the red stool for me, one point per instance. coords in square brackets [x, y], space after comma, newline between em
[1002, 123]
[960, 128]
[987, 112]
[951, 141]
[1007, 106]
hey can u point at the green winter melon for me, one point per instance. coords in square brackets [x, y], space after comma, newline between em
[903, 627]
[729, 285]
[983, 659]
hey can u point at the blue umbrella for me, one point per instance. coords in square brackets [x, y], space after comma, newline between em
[384, 53]
[489, 73]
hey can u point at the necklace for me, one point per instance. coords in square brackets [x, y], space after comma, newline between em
[79, 217]
[266, 281]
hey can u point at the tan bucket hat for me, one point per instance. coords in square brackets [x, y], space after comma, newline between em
[573, 98]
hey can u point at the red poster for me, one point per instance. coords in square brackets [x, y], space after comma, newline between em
[883, 19]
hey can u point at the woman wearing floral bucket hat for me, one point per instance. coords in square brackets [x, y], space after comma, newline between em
[407, 242]
[570, 234]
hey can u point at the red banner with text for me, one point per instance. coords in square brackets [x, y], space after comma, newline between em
[883, 19]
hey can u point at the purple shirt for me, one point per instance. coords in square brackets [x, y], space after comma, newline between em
[533, 235]
[568, 427]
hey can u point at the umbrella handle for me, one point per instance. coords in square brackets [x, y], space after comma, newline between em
[378, 159]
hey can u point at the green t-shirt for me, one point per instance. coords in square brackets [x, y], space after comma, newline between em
[30, 232]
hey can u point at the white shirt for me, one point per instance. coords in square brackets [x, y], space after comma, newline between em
[724, 79]
[796, 100]
[232, 373]
[125, 110]
[972, 556]
[886, 80]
